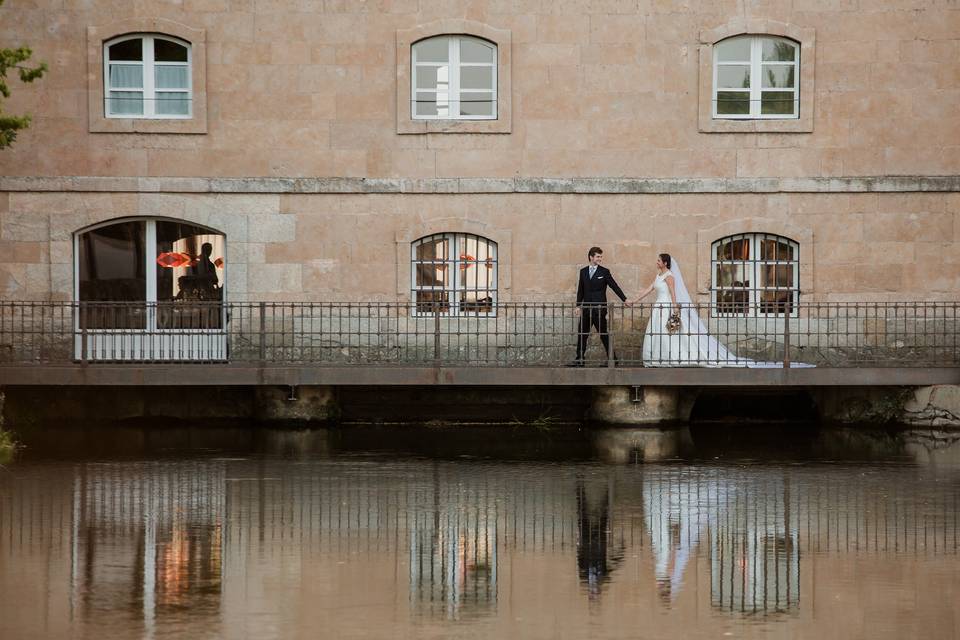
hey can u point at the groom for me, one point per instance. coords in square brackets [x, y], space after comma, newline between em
[592, 302]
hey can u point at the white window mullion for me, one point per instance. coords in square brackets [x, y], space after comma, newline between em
[149, 77]
[455, 77]
[151, 273]
[756, 81]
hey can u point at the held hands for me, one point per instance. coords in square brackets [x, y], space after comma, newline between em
[576, 312]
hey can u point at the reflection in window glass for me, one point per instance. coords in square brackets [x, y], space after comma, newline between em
[111, 263]
[454, 77]
[147, 76]
[755, 274]
[764, 70]
[190, 268]
[454, 274]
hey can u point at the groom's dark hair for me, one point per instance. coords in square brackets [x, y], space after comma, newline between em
[594, 251]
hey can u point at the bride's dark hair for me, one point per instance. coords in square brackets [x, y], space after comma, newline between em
[665, 257]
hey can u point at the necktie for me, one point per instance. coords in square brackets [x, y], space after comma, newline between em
[593, 270]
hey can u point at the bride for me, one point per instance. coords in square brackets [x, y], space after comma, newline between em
[690, 345]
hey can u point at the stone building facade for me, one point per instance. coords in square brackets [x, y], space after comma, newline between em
[300, 146]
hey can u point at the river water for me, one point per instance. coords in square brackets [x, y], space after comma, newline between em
[432, 533]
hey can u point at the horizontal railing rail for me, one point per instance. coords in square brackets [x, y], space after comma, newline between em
[515, 334]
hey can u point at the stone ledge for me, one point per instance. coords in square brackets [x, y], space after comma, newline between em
[877, 184]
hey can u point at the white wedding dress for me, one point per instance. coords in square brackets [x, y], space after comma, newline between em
[692, 345]
[686, 348]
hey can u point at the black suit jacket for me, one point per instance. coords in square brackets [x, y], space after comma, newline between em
[594, 290]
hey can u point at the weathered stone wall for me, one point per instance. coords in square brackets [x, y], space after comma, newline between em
[599, 88]
[348, 247]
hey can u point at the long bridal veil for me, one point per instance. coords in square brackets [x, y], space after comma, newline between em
[711, 351]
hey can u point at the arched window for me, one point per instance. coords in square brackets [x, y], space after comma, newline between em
[147, 76]
[162, 279]
[755, 274]
[454, 274]
[454, 78]
[756, 77]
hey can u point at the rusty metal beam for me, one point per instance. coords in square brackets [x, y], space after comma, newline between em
[247, 375]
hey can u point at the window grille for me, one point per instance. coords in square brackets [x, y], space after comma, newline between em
[755, 274]
[454, 274]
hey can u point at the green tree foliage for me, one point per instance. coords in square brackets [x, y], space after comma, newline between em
[15, 59]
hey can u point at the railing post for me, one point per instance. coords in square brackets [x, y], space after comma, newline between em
[786, 336]
[611, 360]
[263, 332]
[436, 333]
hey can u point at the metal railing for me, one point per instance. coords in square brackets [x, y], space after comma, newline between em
[834, 334]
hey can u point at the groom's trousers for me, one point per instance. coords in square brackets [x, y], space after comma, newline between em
[596, 316]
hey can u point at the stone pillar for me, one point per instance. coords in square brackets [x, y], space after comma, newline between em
[296, 404]
[649, 444]
[645, 405]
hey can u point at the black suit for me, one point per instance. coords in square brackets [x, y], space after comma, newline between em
[592, 301]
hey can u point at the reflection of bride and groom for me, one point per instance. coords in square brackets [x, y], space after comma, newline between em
[675, 335]
[753, 553]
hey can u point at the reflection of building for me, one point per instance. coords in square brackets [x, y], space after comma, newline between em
[164, 524]
[755, 550]
[453, 552]
[228, 544]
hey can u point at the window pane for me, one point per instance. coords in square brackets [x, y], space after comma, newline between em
[777, 275]
[777, 102]
[476, 104]
[776, 302]
[476, 78]
[432, 50]
[173, 104]
[773, 249]
[474, 51]
[432, 249]
[733, 50]
[171, 77]
[425, 105]
[778, 51]
[432, 104]
[733, 76]
[127, 103]
[190, 263]
[167, 51]
[433, 302]
[780, 76]
[433, 78]
[734, 249]
[127, 50]
[733, 301]
[732, 276]
[112, 267]
[733, 103]
[476, 302]
[126, 76]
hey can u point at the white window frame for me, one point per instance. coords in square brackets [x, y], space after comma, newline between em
[454, 65]
[148, 90]
[756, 90]
[753, 265]
[453, 262]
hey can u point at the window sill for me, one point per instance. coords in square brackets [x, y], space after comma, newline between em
[761, 125]
[102, 124]
[409, 125]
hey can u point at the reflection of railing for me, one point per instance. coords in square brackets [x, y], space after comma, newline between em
[836, 334]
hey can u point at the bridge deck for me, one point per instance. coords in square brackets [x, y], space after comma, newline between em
[371, 375]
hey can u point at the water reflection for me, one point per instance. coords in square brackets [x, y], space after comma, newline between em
[268, 547]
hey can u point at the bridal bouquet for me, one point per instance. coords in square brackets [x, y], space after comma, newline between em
[673, 322]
